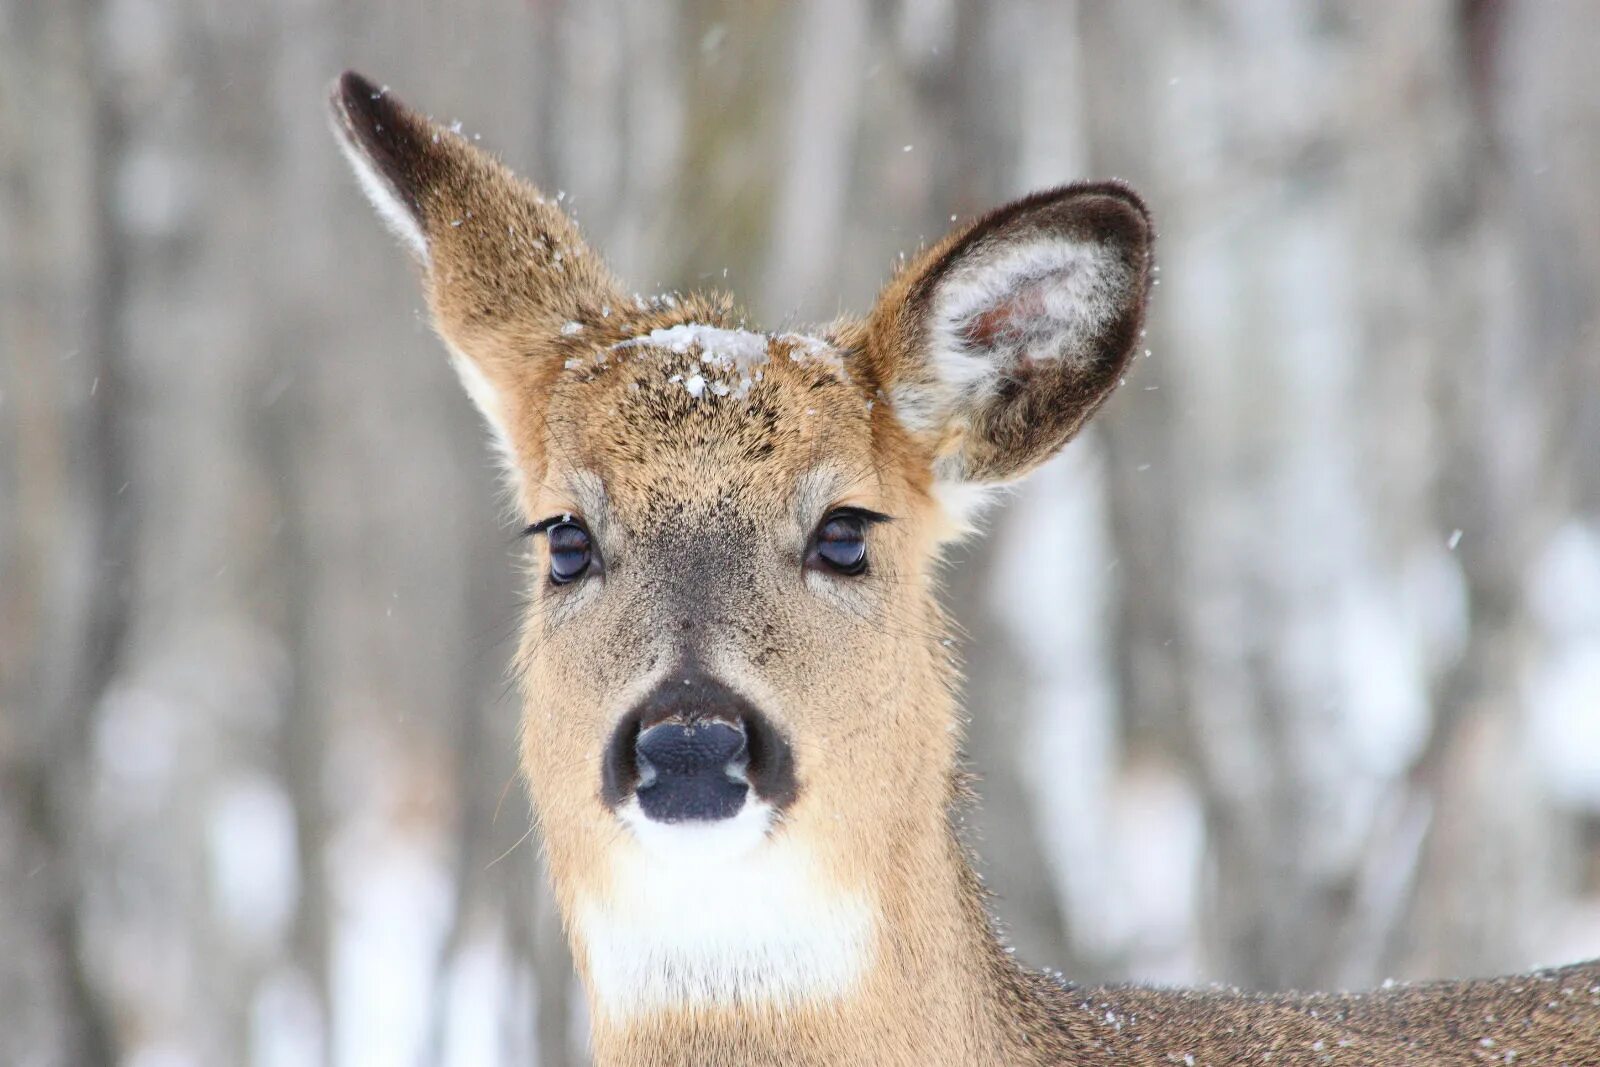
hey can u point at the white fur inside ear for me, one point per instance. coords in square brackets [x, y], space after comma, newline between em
[487, 399]
[1035, 301]
[965, 503]
[396, 215]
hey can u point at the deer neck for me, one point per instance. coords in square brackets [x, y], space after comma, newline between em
[759, 966]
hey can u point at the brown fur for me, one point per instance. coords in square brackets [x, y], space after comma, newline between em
[701, 509]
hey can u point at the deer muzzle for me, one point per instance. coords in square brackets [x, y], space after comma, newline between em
[695, 750]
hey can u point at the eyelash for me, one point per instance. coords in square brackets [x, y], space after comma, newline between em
[866, 516]
[536, 528]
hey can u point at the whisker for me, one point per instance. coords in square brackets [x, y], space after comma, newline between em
[531, 827]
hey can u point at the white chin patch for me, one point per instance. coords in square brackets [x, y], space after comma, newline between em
[722, 913]
[697, 841]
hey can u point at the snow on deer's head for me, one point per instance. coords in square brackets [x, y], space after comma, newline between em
[738, 730]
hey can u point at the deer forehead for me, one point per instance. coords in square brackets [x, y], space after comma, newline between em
[708, 415]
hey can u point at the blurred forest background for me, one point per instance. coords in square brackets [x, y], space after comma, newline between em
[1288, 674]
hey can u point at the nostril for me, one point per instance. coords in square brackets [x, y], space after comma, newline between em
[646, 770]
[619, 768]
[738, 768]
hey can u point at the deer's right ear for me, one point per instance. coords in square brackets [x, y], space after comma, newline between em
[997, 344]
[505, 271]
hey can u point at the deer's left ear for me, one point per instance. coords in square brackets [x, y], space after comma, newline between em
[997, 344]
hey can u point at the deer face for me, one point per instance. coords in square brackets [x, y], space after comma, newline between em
[721, 552]
[735, 674]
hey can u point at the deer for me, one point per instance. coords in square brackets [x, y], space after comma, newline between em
[739, 729]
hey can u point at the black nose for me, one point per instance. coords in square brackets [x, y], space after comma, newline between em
[694, 749]
[693, 771]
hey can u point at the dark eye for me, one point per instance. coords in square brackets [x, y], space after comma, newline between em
[570, 551]
[841, 542]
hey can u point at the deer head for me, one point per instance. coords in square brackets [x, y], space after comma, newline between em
[738, 728]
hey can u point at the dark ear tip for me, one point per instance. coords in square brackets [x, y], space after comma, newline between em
[1109, 209]
[354, 83]
[347, 94]
[364, 107]
[1118, 207]
[1119, 190]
